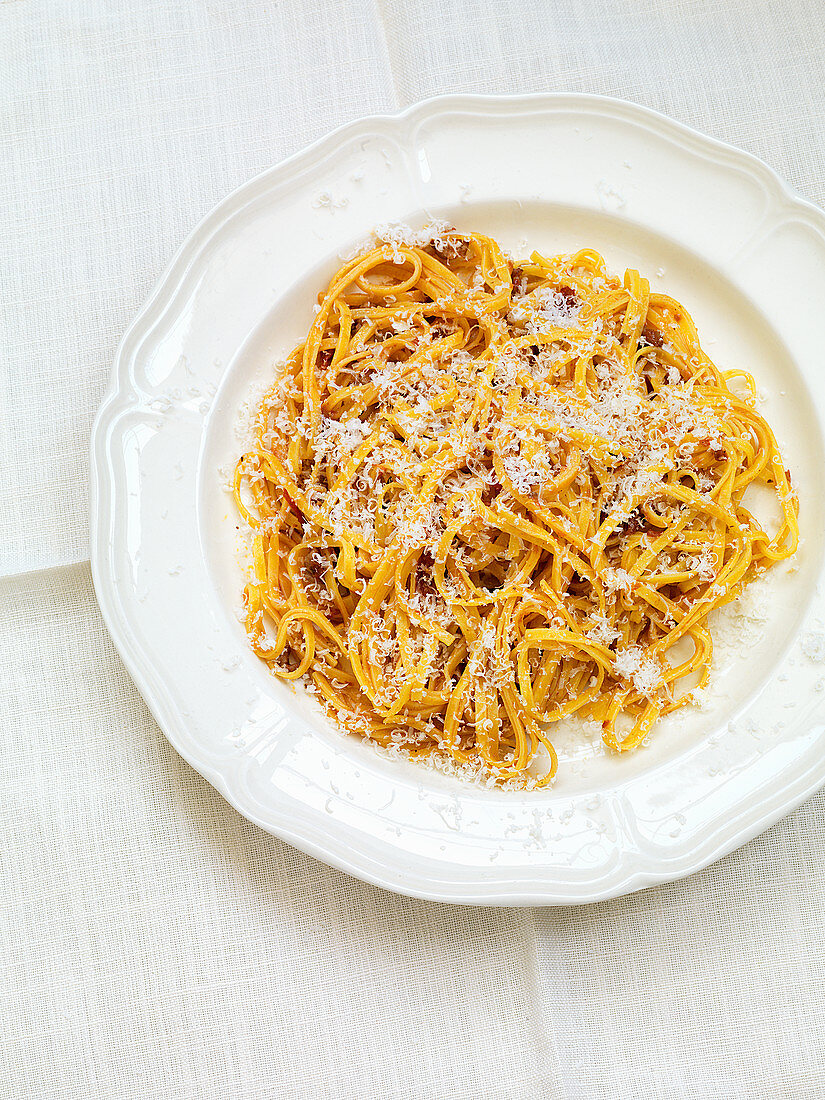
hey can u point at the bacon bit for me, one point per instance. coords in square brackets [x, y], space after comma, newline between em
[519, 282]
[637, 521]
[325, 358]
[455, 249]
[788, 476]
[424, 583]
[651, 337]
[634, 523]
[571, 298]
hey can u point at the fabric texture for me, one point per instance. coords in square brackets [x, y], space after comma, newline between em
[162, 946]
[152, 942]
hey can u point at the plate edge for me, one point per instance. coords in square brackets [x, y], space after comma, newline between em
[489, 892]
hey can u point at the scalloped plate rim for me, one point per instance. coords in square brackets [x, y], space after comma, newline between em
[535, 886]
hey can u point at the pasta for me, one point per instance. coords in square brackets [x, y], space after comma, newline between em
[485, 496]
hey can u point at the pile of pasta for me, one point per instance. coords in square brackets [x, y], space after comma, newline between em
[486, 496]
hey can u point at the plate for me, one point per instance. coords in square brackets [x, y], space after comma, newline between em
[711, 225]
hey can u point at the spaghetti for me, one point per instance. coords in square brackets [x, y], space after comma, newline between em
[485, 497]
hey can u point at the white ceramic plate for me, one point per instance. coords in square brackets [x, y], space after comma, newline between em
[725, 236]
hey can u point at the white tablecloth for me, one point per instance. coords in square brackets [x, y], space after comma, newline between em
[153, 943]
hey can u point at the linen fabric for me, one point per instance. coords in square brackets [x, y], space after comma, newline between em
[153, 944]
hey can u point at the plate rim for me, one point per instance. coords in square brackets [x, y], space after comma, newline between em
[537, 890]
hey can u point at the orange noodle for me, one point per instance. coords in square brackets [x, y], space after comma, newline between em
[485, 497]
